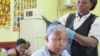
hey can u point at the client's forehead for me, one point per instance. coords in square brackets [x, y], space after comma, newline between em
[60, 33]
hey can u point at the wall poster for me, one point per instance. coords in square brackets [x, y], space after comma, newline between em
[19, 7]
[5, 19]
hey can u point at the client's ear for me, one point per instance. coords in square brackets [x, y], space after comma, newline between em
[46, 38]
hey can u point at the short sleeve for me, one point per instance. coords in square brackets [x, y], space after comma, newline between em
[95, 29]
[63, 19]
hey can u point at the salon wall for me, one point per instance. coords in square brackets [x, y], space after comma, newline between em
[49, 7]
[7, 33]
[97, 9]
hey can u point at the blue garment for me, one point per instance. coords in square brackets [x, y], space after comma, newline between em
[44, 52]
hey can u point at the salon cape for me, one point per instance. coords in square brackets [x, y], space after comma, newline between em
[44, 52]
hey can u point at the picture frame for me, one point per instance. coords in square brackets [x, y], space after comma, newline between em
[5, 17]
[19, 7]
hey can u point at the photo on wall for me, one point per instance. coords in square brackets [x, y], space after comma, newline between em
[5, 17]
[19, 7]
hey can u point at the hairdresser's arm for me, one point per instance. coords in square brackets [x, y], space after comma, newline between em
[83, 40]
[86, 41]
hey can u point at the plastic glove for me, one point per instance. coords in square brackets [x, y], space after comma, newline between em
[70, 33]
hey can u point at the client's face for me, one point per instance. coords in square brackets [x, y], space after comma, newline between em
[57, 42]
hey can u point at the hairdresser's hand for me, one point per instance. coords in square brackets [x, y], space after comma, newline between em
[70, 33]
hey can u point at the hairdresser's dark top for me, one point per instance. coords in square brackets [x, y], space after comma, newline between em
[88, 25]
